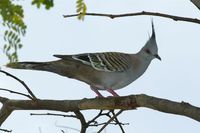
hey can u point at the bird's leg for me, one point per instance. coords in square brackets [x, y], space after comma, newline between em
[96, 91]
[112, 92]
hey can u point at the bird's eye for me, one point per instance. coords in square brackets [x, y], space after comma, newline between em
[148, 51]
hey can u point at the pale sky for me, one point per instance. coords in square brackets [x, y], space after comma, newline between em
[175, 78]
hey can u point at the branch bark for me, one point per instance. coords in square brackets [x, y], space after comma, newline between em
[5, 110]
[125, 103]
[112, 16]
[33, 97]
[196, 3]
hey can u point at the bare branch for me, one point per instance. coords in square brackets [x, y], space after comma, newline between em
[5, 130]
[112, 16]
[96, 117]
[196, 3]
[125, 103]
[111, 123]
[22, 82]
[53, 114]
[5, 113]
[84, 125]
[111, 119]
[15, 92]
[117, 121]
[3, 99]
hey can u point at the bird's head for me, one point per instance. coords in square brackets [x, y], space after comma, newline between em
[150, 50]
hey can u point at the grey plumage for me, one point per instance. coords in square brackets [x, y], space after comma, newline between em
[108, 61]
[102, 71]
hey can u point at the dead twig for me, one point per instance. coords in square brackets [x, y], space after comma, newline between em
[15, 92]
[117, 121]
[5, 130]
[52, 114]
[112, 16]
[33, 97]
[111, 119]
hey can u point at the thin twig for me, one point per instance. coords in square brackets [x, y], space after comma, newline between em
[93, 122]
[5, 130]
[111, 123]
[96, 117]
[112, 16]
[111, 119]
[66, 127]
[22, 82]
[117, 121]
[52, 114]
[15, 92]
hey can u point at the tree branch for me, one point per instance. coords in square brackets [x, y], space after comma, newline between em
[15, 92]
[5, 130]
[196, 3]
[111, 119]
[125, 103]
[112, 16]
[22, 82]
[117, 121]
[84, 125]
[53, 114]
[4, 113]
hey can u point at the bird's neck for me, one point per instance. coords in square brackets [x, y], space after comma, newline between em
[144, 57]
[144, 62]
[140, 65]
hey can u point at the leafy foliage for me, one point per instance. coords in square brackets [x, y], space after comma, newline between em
[14, 26]
[12, 16]
[81, 9]
[47, 3]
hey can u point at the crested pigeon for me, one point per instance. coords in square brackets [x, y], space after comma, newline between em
[102, 71]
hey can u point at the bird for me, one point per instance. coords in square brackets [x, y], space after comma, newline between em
[108, 71]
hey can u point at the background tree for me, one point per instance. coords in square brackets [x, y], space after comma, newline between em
[13, 14]
[135, 36]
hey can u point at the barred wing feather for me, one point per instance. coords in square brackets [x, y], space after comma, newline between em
[108, 62]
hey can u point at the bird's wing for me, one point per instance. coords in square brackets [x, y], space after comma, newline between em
[107, 62]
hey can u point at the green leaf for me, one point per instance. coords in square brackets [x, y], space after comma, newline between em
[20, 46]
[47, 3]
[4, 47]
[18, 40]
[15, 38]
[81, 9]
[12, 19]
[8, 48]
[79, 1]
[78, 10]
[10, 33]
[13, 35]
[6, 32]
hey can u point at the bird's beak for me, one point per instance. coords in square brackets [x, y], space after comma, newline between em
[157, 56]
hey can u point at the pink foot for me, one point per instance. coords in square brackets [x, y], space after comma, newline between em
[113, 92]
[97, 92]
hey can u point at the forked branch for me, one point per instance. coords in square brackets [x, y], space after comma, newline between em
[110, 103]
[32, 96]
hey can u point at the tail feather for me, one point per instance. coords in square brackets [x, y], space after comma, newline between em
[28, 65]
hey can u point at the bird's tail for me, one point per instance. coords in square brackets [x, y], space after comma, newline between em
[28, 65]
